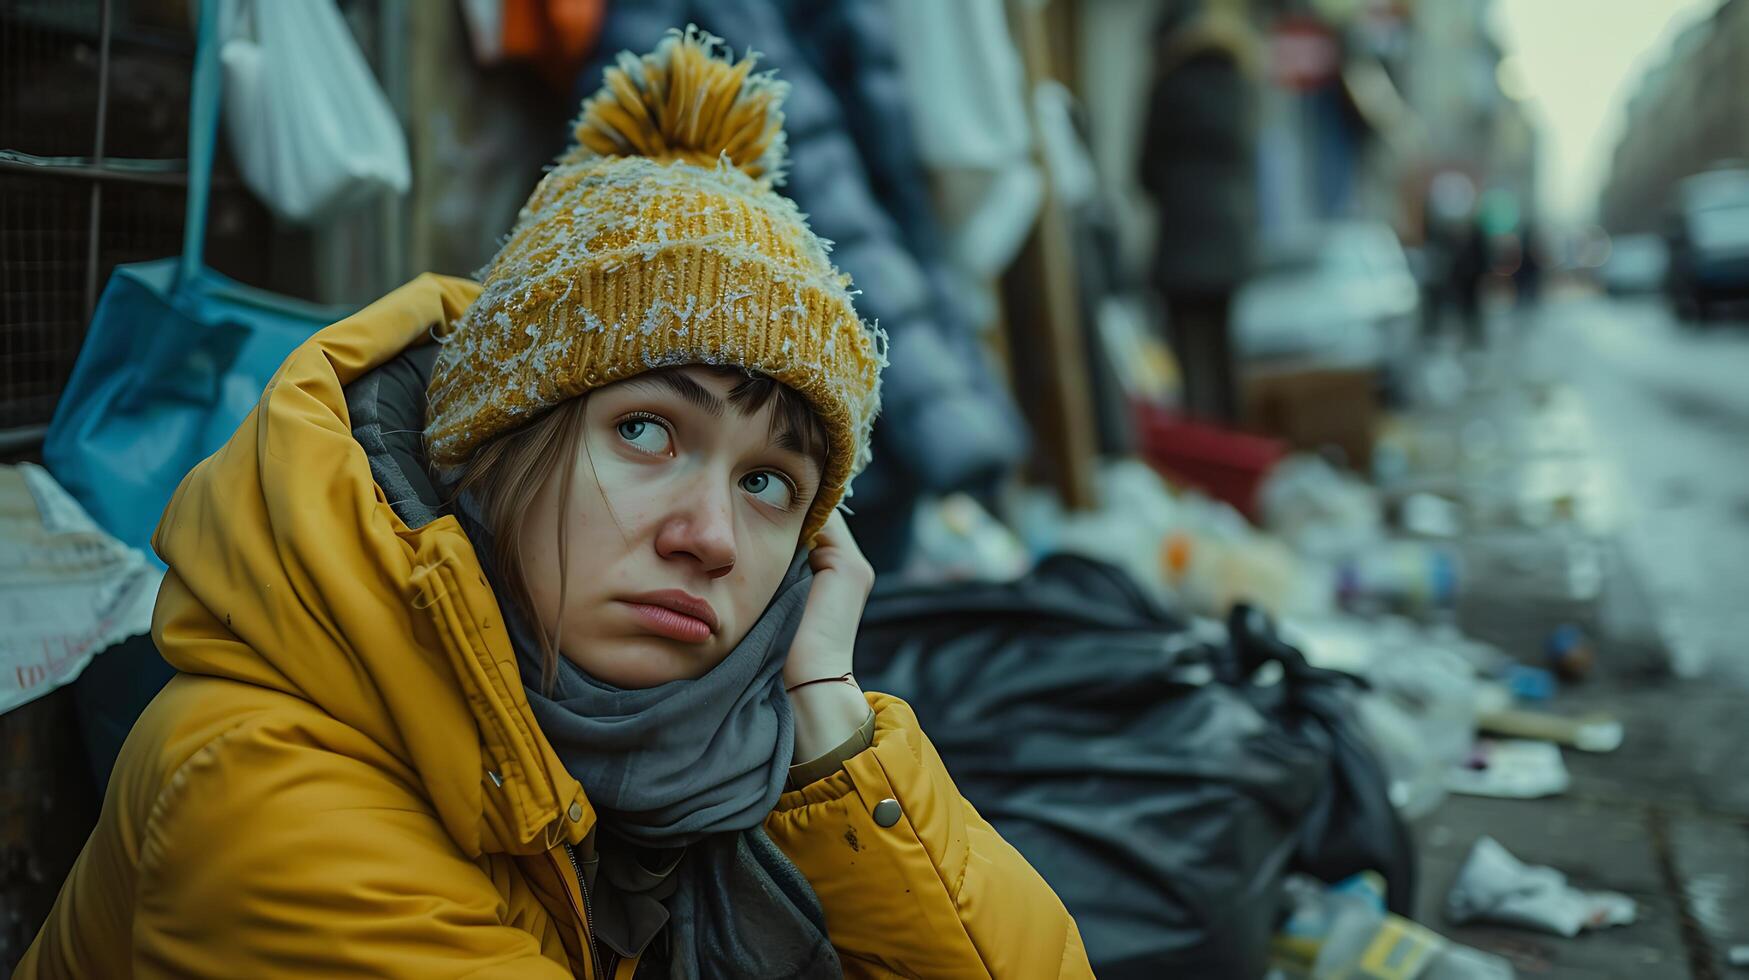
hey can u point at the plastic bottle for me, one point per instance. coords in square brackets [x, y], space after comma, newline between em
[1403, 576]
[1210, 573]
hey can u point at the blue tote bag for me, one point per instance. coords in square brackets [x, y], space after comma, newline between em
[175, 357]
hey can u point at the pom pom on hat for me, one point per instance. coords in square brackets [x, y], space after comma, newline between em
[686, 101]
[659, 241]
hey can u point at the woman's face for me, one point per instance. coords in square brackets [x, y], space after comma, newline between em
[682, 518]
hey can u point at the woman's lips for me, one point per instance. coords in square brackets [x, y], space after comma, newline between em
[674, 625]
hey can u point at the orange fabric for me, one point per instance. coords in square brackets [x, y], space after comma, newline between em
[345, 778]
[555, 36]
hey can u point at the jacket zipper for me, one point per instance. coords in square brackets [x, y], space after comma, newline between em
[576, 870]
[588, 913]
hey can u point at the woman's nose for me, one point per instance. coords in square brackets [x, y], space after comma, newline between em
[701, 529]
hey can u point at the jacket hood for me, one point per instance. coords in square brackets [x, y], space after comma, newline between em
[289, 568]
[387, 410]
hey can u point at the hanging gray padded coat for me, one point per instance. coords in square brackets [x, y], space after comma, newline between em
[947, 422]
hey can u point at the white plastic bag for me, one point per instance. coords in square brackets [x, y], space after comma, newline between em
[311, 130]
[1494, 886]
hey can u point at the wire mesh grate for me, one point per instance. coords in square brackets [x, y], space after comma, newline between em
[44, 236]
[50, 61]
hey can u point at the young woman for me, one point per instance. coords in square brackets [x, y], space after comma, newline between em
[514, 627]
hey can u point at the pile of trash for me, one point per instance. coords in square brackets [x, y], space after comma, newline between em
[1356, 586]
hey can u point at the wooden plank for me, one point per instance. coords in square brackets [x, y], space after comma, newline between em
[1042, 299]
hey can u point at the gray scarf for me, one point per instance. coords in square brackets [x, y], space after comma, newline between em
[695, 764]
[667, 765]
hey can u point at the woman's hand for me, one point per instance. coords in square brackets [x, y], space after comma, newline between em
[827, 714]
[842, 581]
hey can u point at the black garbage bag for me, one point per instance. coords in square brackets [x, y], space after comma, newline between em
[1146, 771]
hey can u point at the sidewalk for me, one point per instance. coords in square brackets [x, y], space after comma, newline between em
[1665, 818]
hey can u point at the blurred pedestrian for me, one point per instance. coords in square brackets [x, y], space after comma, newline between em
[1528, 277]
[1470, 271]
[1450, 209]
[1198, 153]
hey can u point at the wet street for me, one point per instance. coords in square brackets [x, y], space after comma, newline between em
[1668, 406]
[1621, 439]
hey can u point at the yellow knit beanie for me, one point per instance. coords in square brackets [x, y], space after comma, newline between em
[658, 240]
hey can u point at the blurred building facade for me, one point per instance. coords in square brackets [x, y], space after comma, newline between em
[1687, 115]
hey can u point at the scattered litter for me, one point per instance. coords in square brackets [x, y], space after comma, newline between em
[1430, 515]
[1465, 963]
[1494, 886]
[1416, 769]
[1493, 696]
[956, 539]
[1211, 572]
[1199, 554]
[1530, 683]
[1518, 769]
[1400, 575]
[1318, 509]
[1137, 508]
[1591, 733]
[1433, 690]
[1343, 931]
[1570, 652]
[1420, 709]
[1336, 642]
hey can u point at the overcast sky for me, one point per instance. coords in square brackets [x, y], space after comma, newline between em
[1579, 61]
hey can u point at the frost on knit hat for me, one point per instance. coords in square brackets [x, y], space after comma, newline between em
[658, 240]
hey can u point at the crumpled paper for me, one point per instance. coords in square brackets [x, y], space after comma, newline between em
[67, 589]
[1494, 886]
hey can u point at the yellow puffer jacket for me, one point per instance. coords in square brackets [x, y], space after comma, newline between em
[345, 778]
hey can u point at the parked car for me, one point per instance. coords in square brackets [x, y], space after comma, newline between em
[1636, 264]
[1709, 242]
[1343, 297]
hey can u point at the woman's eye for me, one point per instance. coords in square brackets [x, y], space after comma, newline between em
[769, 488]
[646, 435]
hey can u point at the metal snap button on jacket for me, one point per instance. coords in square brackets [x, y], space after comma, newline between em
[886, 812]
[576, 812]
